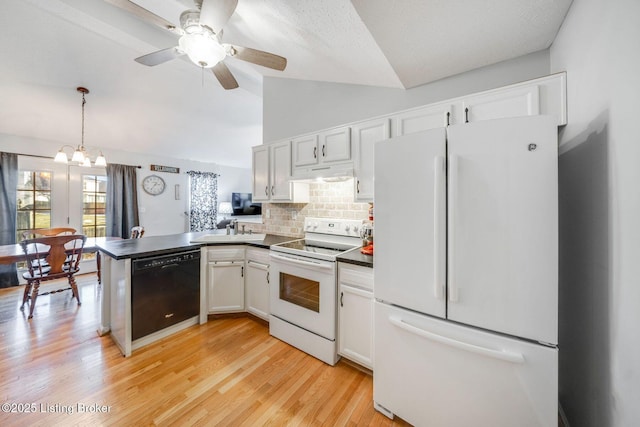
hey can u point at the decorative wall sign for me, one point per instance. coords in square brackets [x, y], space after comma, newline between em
[160, 168]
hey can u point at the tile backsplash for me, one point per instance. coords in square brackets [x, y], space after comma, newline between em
[326, 200]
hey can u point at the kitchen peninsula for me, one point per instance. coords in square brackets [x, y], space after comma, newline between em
[152, 288]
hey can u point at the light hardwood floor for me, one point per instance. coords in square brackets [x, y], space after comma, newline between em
[227, 372]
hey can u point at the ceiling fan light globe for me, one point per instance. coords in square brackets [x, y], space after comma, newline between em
[202, 49]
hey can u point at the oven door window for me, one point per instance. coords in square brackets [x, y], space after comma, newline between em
[299, 291]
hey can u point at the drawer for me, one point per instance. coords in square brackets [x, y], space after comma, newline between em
[355, 275]
[232, 253]
[258, 255]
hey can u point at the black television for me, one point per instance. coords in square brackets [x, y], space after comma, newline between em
[242, 205]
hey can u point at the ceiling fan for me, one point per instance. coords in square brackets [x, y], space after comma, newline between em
[200, 39]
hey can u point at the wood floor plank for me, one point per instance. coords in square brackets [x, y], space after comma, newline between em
[229, 371]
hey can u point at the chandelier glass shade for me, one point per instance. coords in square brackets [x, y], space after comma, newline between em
[80, 154]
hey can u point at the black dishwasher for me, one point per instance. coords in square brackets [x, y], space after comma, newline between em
[165, 290]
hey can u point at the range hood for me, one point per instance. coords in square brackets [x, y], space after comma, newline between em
[326, 173]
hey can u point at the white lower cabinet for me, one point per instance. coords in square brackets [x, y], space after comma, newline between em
[257, 283]
[355, 313]
[225, 279]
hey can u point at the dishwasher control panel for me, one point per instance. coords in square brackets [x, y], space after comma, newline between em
[165, 260]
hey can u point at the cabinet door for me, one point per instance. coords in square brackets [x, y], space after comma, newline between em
[261, 184]
[257, 289]
[355, 325]
[502, 104]
[305, 150]
[281, 171]
[335, 145]
[421, 119]
[364, 136]
[225, 286]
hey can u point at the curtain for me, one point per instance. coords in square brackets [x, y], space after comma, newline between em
[203, 203]
[122, 200]
[8, 197]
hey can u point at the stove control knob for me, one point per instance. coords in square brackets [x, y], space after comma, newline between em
[355, 229]
[346, 229]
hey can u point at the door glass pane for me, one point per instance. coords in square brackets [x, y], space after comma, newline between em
[42, 180]
[94, 198]
[300, 291]
[33, 201]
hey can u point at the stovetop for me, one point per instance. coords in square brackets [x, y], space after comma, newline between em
[325, 238]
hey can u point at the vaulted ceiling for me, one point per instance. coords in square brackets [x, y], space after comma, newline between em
[178, 110]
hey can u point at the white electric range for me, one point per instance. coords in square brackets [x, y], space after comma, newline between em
[304, 297]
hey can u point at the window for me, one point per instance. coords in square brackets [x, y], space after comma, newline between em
[94, 197]
[34, 201]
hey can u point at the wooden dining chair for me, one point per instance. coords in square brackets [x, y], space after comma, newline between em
[137, 232]
[50, 258]
[34, 233]
[46, 232]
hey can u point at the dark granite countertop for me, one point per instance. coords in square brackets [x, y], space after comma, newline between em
[354, 256]
[160, 245]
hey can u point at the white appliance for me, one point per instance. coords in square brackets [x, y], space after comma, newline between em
[303, 298]
[466, 275]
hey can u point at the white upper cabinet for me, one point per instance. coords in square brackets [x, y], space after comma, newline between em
[305, 150]
[261, 175]
[546, 95]
[335, 145]
[324, 154]
[423, 118]
[517, 102]
[364, 136]
[272, 173]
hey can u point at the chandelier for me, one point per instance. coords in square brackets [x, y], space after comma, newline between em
[80, 154]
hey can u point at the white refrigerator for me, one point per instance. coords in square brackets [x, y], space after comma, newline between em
[466, 275]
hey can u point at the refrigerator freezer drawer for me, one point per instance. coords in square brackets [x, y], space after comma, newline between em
[433, 372]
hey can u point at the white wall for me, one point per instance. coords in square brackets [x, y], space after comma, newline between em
[294, 107]
[161, 214]
[599, 337]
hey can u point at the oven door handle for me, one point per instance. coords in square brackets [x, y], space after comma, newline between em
[315, 264]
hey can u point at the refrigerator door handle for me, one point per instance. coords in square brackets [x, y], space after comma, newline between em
[507, 356]
[453, 202]
[438, 227]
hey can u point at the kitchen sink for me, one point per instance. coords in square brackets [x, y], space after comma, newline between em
[231, 238]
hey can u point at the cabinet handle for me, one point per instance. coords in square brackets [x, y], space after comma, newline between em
[448, 117]
[315, 152]
[268, 282]
[323, 154]
[466, 115]
[266, 190]
[358, 186]
[242, 271]
[272, 190]
[341, 298]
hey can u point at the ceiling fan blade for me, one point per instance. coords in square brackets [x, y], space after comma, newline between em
[144, 14]
[160, 57]
[216, 13]
[224, 76]
[259, 57]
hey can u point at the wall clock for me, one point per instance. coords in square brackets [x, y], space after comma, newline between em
[153, 185]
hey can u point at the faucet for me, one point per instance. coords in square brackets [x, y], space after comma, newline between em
[235, 226]
[242, 228]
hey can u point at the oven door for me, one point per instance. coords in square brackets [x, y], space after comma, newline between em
[303, 292]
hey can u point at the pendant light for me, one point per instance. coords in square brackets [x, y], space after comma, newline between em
[80, 154]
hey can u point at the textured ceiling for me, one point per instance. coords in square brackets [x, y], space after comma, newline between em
[176, 110]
